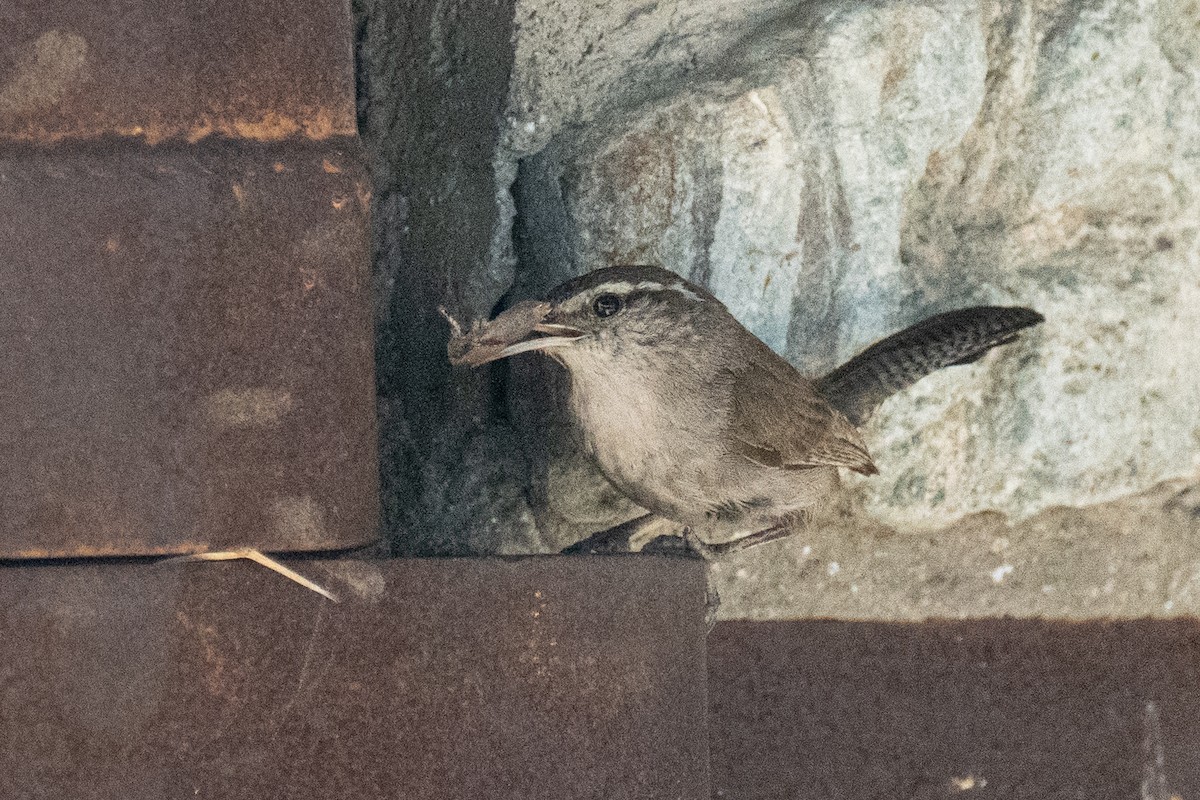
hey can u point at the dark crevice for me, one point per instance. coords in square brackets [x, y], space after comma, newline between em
[362, 78]
[498, 378]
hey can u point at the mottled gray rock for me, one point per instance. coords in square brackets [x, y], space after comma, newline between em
[865, 166]
[583, 70]
[1074, 192]
[833, 171]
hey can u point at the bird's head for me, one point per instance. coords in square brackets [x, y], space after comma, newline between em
[620, 314]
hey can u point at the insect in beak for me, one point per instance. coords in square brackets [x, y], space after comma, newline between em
[520, 329]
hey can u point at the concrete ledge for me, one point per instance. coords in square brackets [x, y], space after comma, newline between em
[1132, 558]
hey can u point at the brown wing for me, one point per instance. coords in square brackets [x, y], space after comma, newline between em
[780, 420]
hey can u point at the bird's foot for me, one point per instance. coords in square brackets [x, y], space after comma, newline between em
[602, 543]
[688, 545]
[617, 539]
[670, 545]
[746, 542]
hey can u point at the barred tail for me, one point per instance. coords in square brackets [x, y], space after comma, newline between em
[857, 387]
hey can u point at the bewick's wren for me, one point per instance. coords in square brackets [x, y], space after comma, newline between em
[695, 419]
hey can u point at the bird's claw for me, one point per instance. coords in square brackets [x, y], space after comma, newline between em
[598, 545]
[687, 544]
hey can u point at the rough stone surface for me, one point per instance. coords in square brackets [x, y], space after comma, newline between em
[835, 172]
[1135, 557]
[913, 158]
[1074, 192]
[433, 81]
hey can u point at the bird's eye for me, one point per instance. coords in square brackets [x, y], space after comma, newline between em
[606, 305]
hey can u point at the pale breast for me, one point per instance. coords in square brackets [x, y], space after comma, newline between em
[664, 453]
[651, 447]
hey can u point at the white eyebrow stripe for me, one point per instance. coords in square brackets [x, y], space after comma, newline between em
[616, 287]
[625, 287]
[685, 291]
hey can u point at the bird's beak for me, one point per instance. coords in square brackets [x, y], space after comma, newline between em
[545, 336]
[520, 329]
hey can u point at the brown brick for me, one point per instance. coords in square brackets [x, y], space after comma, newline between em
[537, 678]
[176, 69]
[993, 708]
[185, 340]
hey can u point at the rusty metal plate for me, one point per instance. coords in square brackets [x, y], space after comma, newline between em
[185, 345]
[537, 678]
[979, 709]
[262, 70]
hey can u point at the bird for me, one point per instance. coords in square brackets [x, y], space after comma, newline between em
[697, 420]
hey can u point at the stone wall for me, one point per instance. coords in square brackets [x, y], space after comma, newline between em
[834, 172]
